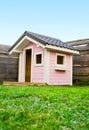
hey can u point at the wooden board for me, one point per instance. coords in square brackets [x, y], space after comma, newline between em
[28, 66]
[5, 83]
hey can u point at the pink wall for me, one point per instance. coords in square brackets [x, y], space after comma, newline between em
[55, 77]
[37, 71]
[58, 77]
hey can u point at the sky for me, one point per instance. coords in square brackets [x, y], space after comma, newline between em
[63, 19]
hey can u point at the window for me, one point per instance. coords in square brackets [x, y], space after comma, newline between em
[60, 62]
[38, 59]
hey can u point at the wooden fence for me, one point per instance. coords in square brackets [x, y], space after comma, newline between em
[81, 62]
[8, 69]
[8, 65]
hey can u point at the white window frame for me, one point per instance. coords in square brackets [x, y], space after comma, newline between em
[60, 66]
[35, 54]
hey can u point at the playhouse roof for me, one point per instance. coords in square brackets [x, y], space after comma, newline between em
[45, 41]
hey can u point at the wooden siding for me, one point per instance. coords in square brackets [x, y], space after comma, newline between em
[59, 77]
[37, 71]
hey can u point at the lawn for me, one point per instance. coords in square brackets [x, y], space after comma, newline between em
[44, 108]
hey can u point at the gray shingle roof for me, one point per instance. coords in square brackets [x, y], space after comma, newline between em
[50, 40]
[45, 40]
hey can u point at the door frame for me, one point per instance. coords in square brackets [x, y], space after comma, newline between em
[28, 48]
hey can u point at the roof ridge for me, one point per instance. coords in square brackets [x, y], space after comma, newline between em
[64, 43]
[43, 35]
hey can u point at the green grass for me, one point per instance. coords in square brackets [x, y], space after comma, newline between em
[44, 108]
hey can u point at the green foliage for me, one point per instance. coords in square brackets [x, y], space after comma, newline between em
[44, 108]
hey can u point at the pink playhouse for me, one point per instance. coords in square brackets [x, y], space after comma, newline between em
[43, 59]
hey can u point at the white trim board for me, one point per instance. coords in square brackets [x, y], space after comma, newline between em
[22, 40]
[62, 49]
[22, 64]
[71, 70]
[37, 53]
[46, 66]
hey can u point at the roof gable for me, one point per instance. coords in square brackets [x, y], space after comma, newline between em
[43, 41]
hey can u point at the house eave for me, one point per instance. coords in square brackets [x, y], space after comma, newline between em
[62, 49]
[24, 41]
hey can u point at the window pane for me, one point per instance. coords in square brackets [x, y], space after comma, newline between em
[38, 58]
[60, 59]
